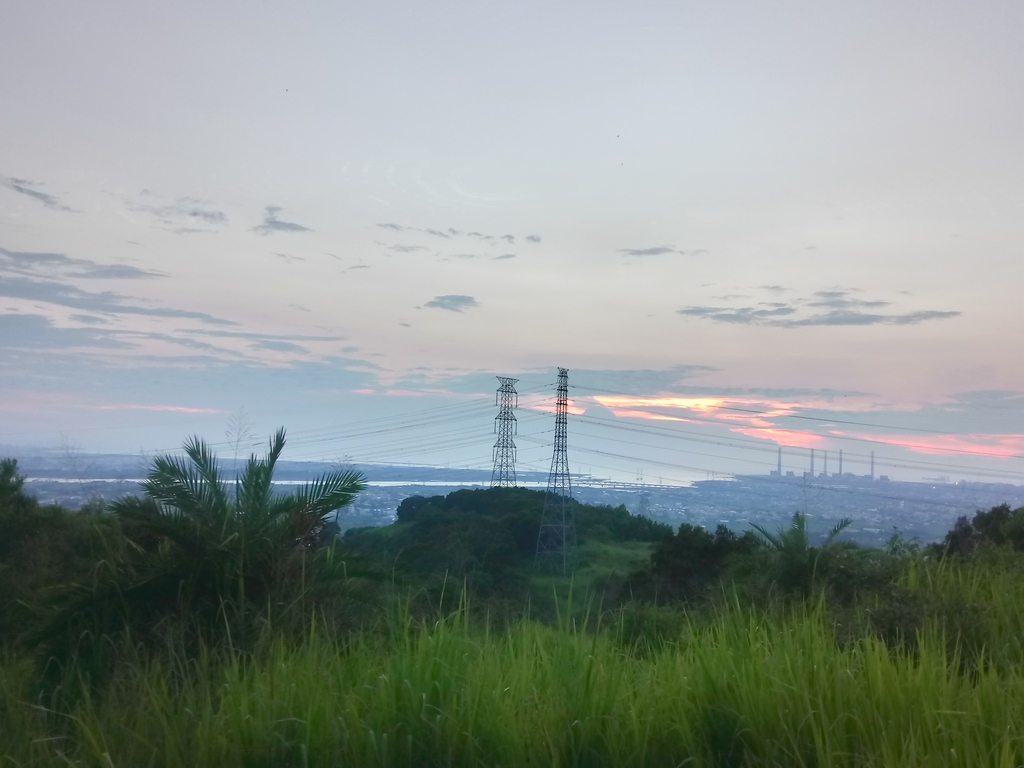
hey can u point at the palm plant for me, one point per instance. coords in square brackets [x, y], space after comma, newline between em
[795, 561]
[197, 549]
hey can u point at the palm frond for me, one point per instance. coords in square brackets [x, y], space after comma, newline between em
[770, 539]
[205, 463]
[146, 517]
[135, 509]
[331, 491]
[175, 482]
[276, 446]
[255, 490]
[836, 529]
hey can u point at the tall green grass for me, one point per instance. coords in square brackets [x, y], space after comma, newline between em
[739, 688]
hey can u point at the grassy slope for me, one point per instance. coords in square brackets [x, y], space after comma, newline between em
[738, 689]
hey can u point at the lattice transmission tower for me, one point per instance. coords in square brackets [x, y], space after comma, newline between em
[504, 474]
[556, 541]
[644, 508]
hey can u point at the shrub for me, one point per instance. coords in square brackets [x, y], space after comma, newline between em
[998, 527]
[41, 547]
[685, 564]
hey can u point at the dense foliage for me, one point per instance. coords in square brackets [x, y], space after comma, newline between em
[42, 548]
[194, 554]
[997, 527]
[215, 622]
[736, 688]
[484, 540]
[685, 565]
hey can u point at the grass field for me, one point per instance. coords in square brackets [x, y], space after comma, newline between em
[738, 688]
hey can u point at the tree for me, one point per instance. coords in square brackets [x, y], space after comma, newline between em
[794, 562]
[41, 547]
[998, 527]
[199, 550]
[16, 508]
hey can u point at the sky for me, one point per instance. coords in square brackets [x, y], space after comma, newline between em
[737, 224]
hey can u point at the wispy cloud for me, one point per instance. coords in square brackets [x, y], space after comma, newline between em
[89, 319]
[258, 336]
[840, 309]
[35, 332]
[853, 317]
[271, 223]
[739, 315]
[31, 189]
[185, 215]
[452, 302]
[655, 251]
[104, 302]
[32, 264]
[842, 300]
[279, 346]
[448, 233]
[660, 250]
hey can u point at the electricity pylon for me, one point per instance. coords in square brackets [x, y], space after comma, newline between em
[644, 509]
[504, 474]
[556, 541]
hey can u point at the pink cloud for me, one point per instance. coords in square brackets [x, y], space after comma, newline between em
[363, 391]
[629, 413]
[995, 446]
[786, 437]
[27, 401]
[728, 412]
[546, 404]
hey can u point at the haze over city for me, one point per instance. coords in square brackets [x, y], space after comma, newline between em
[738, 226]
